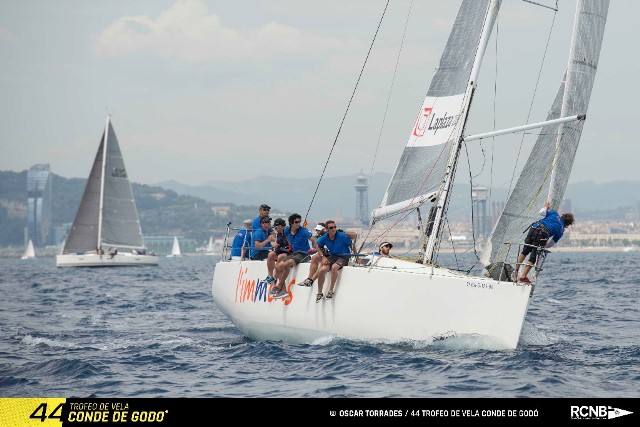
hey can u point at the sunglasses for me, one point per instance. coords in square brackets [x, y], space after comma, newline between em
[331, 228]
[297, 222]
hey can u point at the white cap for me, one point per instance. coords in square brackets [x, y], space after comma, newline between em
[319, 227]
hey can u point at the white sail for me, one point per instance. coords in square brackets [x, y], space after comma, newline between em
[107, 218]
[396, 299]
[214, 247]
[547, 170]
[175, 248]
[29, 251]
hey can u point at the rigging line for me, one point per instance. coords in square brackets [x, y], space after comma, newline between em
[473, 230]
[543, 5]
[346, 111]
[393, 79]
[395, 71]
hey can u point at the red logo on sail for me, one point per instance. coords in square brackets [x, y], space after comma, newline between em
[421, 123]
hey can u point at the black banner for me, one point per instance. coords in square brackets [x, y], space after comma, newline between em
[82, 412]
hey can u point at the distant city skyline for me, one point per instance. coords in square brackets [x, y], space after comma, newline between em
[204, 90]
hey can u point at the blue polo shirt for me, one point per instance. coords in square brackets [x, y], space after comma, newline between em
[300, 241]
[341, 244]
[259, 236]
[256, 224]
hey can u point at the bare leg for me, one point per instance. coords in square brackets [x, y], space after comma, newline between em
[271, 262]
[285, 268]
[313, 268]
[335, 269]
[321, 275]
[519, 263]
[527, 267]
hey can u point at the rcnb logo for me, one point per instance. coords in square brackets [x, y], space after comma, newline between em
[596, 412]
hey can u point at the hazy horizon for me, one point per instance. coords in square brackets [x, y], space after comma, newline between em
[203, 90]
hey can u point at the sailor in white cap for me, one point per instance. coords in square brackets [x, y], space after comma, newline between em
[384, 248]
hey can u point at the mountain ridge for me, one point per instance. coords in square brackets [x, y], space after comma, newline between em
[585, 197]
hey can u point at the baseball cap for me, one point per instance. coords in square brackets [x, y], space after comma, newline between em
[319, 227]
[279, 221]
[265, 219]
[385, 244]
[263, 206]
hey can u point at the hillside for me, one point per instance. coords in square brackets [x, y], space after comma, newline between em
[162, 211]
[172, 208]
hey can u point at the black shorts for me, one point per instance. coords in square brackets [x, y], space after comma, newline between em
[297, 257]
[340, 260]
[537, 237]
[261, 255]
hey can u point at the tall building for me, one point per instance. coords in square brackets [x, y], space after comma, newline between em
[362, 199]
[481, 220]
[39, 204]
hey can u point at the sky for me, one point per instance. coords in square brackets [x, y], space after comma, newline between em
[212, 90]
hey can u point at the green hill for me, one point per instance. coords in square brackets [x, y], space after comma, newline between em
[162, 211]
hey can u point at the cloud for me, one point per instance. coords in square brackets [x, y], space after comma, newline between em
[188, 32]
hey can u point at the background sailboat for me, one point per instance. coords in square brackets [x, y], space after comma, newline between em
[214, 247]
[175, 248]
[29, 251]
[398, 299]
[106, 229]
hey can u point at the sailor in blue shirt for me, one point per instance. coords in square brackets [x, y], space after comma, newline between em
[263, 212]
[262, 239]
[241, 240]
[543, 233]
[298, 238]
[338, 244]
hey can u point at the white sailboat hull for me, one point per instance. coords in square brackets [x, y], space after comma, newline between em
[106, 260]
[398, 301]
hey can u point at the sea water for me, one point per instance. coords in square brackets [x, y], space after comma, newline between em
[156, 332]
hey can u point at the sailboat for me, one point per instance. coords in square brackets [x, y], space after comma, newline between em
[398, 300]
[209, 250]
[106, 229]
[29, 251]
[175, 248]
[214, 247]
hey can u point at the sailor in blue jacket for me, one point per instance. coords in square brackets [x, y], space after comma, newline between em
[543, 233]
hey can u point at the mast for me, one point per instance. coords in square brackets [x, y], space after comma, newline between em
[104, 165]
[445, 194]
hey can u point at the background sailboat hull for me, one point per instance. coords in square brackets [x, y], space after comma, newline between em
[408, 302]
[94, 260]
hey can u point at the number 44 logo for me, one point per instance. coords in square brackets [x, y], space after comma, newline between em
[41, 412]
[32, 411]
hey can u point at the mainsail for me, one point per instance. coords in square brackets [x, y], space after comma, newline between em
[547, 170]
[107, 214]
[418, 176]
